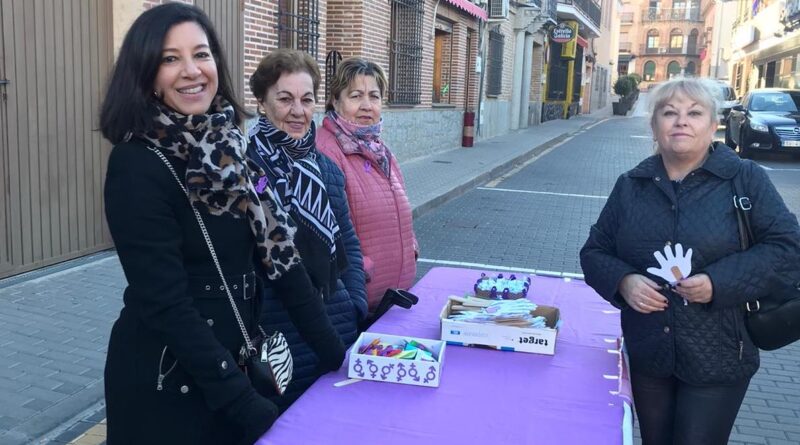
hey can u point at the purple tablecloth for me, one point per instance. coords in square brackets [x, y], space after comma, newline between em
[485, 396]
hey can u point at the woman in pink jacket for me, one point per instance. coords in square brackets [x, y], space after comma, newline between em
[379, 207]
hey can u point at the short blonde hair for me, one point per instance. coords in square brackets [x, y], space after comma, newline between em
[706, 92]
[350, 68]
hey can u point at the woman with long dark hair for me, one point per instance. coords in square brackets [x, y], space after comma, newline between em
[172, 372]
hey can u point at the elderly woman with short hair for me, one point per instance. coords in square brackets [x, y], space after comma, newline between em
[310, 188]
[691, 357]
[351, 137]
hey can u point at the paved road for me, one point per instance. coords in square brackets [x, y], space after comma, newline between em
[539, 217]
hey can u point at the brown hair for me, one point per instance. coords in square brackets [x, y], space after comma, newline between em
[347, 70]
[279, 62]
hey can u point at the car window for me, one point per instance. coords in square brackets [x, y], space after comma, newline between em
[778, 101]
[728, 93]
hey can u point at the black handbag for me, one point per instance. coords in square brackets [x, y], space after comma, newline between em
[392, 297]
[267, 361]
[773, 321]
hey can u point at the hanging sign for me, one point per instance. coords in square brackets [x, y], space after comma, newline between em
[562, 33]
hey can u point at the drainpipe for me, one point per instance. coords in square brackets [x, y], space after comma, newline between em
[481, 54]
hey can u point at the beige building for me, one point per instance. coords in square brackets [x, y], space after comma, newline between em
[766, 45]
[662, 39]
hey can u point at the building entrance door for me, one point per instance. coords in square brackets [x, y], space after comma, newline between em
[55, 58]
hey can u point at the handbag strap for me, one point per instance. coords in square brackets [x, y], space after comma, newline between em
[248, 343]
[743, 205]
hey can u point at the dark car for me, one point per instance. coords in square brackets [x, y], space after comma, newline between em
[767, 120]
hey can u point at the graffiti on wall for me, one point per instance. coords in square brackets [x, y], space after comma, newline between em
[552, 111]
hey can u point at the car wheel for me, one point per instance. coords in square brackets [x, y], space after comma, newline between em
[728, 140]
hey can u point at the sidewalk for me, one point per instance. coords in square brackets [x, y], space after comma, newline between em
[55, 322]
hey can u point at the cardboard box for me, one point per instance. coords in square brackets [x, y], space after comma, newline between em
[390, 369]
[505, 338]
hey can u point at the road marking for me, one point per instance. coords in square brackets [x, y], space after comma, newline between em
[773, 169]
[517, 169]
[544, 273]
[641, 137]
[596, 124]
[569, 195]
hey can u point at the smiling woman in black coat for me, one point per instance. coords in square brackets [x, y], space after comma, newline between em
[690, 355]
[172, 374]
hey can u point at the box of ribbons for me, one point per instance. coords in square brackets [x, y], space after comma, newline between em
[396, 359]
[509, 325]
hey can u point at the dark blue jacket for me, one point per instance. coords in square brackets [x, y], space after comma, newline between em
[698, 343]
[346, 306]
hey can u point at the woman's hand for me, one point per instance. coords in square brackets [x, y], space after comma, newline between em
[641, 293]
[696, 289]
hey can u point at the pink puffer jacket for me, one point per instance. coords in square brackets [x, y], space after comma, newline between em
[381, 215]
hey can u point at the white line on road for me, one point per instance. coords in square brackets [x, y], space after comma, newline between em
[596, 124]
[642, 137]
[547, 273]
[518, 168]
[569, 195]
[773, 169]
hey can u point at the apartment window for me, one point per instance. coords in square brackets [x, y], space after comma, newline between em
[678, 9]
[298, 25]
[652, 42]
[405, 52]
[649, 73]
[675, 41]
[494, 77]
[673, 69]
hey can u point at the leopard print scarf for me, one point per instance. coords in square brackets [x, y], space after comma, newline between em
[221, 180]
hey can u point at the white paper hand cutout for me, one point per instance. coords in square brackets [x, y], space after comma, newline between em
[673, 267]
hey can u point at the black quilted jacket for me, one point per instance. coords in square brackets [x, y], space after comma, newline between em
[698, 343]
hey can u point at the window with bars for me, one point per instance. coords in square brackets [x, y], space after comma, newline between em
[405, 52]
[494, 75]
[298, 25]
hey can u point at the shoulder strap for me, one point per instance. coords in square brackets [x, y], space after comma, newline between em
[743, 205]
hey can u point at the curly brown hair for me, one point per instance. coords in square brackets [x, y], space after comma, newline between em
[279, 62]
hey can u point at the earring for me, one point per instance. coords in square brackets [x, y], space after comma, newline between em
[156, 95]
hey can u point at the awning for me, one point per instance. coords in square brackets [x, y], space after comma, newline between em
[470, 8]
[624, 58]
[583, 42]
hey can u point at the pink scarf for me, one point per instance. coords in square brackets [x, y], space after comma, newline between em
[364, 139]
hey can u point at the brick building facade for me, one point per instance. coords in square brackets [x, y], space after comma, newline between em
[661, 39]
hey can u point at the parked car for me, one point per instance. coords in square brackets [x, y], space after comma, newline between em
[767, 120]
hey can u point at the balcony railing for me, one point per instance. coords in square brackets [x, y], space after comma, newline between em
[588, 7]
[552, 9]
[691, 50]
[627, 18]
[666, 15]
[625, 47]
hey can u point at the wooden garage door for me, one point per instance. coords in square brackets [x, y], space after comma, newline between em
[228, 19]
[56, 56]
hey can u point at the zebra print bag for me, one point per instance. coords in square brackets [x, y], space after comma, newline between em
[267, 361]
[269, 365]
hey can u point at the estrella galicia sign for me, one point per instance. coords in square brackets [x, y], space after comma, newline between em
[562, 33]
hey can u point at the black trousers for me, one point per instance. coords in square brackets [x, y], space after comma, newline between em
[672, 412]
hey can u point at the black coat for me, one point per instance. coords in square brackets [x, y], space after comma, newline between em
[176, 320]
[347, 303]
[698, 343]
